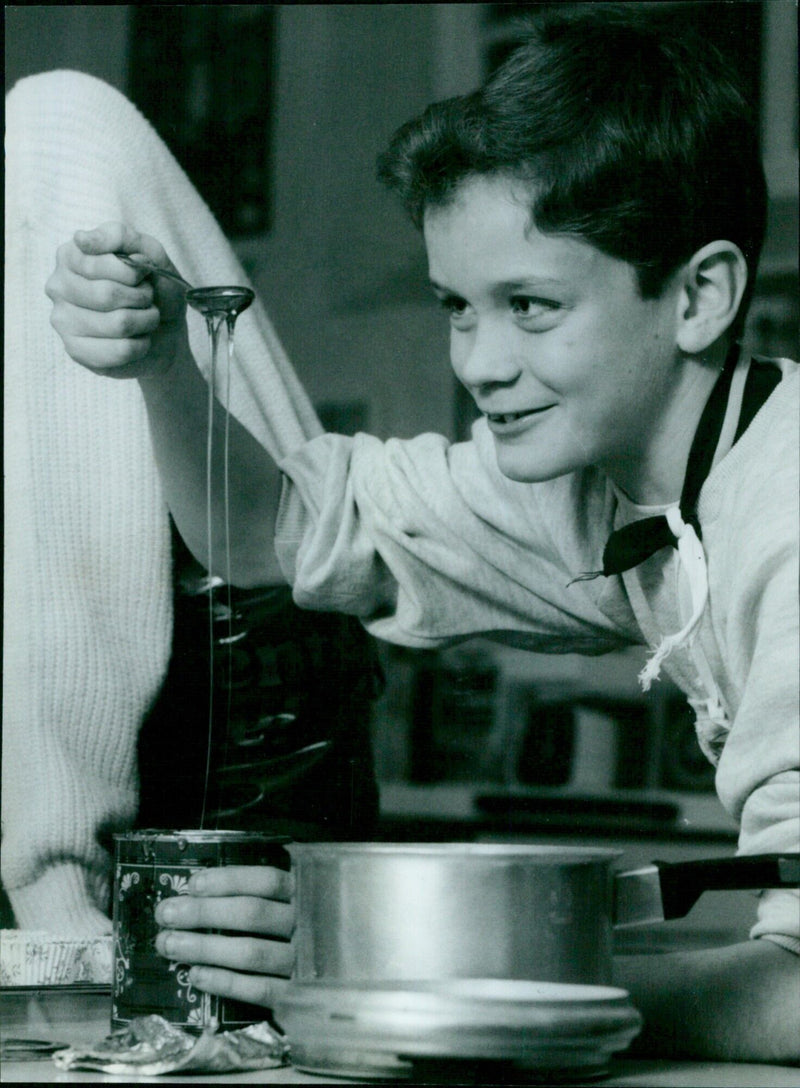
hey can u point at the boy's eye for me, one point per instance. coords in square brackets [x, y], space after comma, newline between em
[530, 306]
[454, 306]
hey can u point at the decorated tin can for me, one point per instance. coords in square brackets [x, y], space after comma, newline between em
[154, 865]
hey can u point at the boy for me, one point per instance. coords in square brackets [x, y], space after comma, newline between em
[593, 219]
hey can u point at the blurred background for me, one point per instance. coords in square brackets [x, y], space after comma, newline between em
[277, 113]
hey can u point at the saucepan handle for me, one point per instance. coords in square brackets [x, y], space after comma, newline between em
[683, 882]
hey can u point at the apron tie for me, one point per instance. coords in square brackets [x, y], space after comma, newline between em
[693, 561]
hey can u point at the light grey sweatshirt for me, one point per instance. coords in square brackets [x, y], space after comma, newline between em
[428, 543]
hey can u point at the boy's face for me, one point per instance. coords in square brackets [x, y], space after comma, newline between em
[550, 336]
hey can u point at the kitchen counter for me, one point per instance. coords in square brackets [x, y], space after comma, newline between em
[81, 1019]
[626, 1073]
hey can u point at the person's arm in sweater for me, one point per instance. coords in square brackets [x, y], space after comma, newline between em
[115, 322]
[88, 624]
[87, 616]
[742, 1002]
[738, 1003]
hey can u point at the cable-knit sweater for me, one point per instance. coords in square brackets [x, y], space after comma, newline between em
[88, 607]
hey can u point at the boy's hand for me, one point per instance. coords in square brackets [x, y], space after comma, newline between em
[253, 900]
[112, 318]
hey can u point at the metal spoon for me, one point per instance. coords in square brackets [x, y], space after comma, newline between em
[146, 265]
[227, 301]
[207, 300]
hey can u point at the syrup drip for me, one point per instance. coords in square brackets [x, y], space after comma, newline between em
[220, 306]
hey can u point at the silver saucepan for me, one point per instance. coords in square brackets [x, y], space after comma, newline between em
[393, 911]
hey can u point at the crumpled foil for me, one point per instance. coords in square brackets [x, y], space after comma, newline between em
[150, 1046]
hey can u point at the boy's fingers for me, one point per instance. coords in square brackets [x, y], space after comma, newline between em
[111, 238]
[253, 989]
[108, 238]
[104, 266]
[109, 357]
[259, 880]
[238, 953]
[78, 323]
[247, 914]
[99, 291]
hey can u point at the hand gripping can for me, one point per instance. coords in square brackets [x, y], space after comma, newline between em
[154, 865]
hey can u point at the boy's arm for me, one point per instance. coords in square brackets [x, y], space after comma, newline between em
[737, 1003]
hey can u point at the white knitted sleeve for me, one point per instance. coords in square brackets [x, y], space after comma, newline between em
[88, 608]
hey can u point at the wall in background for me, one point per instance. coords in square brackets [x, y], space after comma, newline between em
[342, 272]
[90, 37]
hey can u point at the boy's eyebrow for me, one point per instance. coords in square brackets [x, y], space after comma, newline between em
[512, 285]
[532, 281]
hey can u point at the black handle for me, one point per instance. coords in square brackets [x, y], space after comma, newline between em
[683, 882]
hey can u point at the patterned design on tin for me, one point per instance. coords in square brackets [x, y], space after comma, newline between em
[126, 882]
[186, 992]
[122, 966]
[176, 881]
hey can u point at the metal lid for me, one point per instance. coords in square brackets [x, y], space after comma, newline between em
[195, 835]
[201, 848]
[382, 1028]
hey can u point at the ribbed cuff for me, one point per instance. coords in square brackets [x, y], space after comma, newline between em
[60, 902]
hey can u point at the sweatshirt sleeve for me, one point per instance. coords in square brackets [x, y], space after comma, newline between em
[427, 543]
[758, 775]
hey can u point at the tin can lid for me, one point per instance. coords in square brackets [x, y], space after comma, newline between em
[201, 848]
[199, 835]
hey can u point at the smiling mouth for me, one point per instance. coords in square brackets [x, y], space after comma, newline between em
[512, 417]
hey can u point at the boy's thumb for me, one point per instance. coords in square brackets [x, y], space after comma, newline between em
[106, 239]
[91, 241]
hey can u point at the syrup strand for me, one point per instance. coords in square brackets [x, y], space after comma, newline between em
[230, 322]
[213, 325]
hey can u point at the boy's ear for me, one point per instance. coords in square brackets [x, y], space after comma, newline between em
[713, 285]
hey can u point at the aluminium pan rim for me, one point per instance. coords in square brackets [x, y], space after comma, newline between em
[362, 1029]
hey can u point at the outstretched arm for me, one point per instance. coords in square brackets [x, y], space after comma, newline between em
[115, 322]
[738, 1003]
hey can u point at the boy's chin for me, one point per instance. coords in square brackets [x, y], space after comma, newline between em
[526, 470]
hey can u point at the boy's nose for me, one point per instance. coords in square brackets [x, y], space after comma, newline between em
[484, 358]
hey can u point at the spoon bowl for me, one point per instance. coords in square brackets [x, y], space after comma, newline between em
[219, 301]
[209, 301]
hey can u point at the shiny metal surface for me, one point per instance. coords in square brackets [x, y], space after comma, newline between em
[387, 1029]
[378, 911]
[219, 301]
[153, 269]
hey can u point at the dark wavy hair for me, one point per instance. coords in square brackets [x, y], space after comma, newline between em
[632, 138]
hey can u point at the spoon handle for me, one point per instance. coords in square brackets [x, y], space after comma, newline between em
[148, 266]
